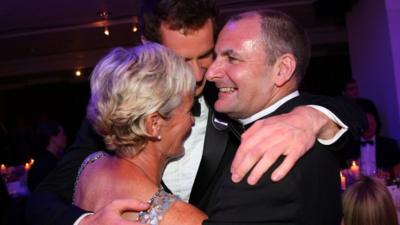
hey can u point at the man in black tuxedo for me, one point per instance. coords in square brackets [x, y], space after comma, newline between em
[376, 154]
[261, 58]
[187, 27]
[350, 92]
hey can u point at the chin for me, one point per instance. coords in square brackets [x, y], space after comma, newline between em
[180, 153]
[221, 107]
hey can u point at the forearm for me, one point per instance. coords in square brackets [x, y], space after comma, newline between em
[320, 124]
[347, 112]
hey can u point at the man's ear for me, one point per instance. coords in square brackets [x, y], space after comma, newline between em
[285, 66]
[153, 122]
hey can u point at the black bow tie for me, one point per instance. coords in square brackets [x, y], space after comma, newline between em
[234, 127]
[196, 108]
[369, 142]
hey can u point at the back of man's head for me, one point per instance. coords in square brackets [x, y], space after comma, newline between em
[178, 14]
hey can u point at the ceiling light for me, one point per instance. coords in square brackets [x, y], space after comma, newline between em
[106, 31]
[134, 28]
[78, 73]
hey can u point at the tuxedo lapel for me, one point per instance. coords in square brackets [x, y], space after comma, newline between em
[214, 148]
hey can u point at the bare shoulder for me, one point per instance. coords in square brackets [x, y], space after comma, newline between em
[107, 179]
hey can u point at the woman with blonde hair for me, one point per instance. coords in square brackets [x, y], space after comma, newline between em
[368, 202]
[140, 104]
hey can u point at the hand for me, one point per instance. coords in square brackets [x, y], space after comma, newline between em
[291, 134]
[111, 214]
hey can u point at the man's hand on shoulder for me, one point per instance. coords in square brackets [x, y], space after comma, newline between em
[111, 214]
[291, 135]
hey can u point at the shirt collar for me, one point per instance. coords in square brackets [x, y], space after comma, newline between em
[269, 109]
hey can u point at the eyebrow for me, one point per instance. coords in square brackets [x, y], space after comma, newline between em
[207, 53]
[203, 55]
[229, 52]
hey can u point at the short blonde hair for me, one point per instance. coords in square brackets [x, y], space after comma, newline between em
[368, 202]
[127, 85]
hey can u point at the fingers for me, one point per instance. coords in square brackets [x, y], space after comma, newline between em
[250, 139]
[111, 214]
[250, 153]
[262, 166]
[122, 205]
[263, 143]
[284, 168]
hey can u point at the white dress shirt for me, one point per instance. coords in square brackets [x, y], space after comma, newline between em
[179, 174]
[368, 158]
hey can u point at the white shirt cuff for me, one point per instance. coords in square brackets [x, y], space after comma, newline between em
[81, 218]
[335, 119]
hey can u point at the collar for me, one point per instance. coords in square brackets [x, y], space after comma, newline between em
[270, 109]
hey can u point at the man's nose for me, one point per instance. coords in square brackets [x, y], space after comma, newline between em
[198, 70]
[214, 71]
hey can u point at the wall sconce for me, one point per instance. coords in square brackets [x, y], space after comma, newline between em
[134, 28]
[134, 24]
[105, 15]
[106, 31]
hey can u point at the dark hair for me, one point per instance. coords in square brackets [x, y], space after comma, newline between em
[347, 82]
[186, 14]
[282, 34]
[44, 132]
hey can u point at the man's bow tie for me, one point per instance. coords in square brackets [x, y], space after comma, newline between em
[234, 127]
[369, 142]
[196, 108]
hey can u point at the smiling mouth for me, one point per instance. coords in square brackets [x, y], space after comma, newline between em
[227, 89]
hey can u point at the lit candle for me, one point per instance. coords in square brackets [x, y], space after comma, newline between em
[3, 169]
[27, 166]
[342, 181]
[355, 169]
[31, 161]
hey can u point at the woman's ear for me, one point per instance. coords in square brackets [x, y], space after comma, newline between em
[153, 124]
[285, 66]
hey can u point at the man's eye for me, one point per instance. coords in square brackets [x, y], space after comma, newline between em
[231, 59]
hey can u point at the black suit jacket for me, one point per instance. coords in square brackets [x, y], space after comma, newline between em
[309, 194]
[50, 203]
[387, 153]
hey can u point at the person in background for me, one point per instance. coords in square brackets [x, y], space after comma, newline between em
[5, 201]
[378, 155]
[368, 202]
[350, 92]
[50, 144]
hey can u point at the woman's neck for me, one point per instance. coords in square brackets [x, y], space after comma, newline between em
[151, 165]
